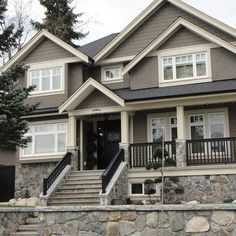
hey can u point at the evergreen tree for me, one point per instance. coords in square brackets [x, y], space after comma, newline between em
[60, 20]
[12, 108]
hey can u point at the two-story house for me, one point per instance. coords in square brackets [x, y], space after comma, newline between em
[169, 76]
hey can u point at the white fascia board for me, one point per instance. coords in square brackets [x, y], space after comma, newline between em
[169, 32]
[35, 41]
[87, 88]
[128, 29]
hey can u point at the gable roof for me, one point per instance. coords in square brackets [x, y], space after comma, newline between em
[180, 22]
[36, 40]
[87, 88]
[148, 11]
[93, 48]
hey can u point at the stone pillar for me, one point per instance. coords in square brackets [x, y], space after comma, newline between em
[125, 146]
[181, 155]
[74, 158]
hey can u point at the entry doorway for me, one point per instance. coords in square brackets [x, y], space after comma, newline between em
[108, 139]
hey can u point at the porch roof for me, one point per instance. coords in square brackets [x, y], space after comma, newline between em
[223, 86]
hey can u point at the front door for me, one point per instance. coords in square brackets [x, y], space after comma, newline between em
[109, 137]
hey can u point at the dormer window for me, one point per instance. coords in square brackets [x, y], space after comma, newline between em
[46, 79]
[184, 68]
[112, 74]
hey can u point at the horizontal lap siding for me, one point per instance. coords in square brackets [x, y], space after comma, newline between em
[232, 121]
[140, 127]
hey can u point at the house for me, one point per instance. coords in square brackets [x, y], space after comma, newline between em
[169, 76]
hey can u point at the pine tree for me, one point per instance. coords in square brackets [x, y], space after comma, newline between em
[60, 20]
[12, 108]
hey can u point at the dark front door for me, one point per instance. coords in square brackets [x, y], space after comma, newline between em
[7, 183]
[109, 136]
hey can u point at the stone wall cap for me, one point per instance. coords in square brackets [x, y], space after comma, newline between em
[181, 207]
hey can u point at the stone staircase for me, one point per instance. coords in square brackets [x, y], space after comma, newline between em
[80, 188]
[27, 229]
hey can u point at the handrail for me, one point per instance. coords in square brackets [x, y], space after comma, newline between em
[111, 169]
[48, 182]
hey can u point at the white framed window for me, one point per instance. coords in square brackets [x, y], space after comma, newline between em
[173, 128]
[196, 124]
[216, 123]
[140, 188]
[187, 66]
[47, 139]
[158, 126]
[112, 74]
[184, 66]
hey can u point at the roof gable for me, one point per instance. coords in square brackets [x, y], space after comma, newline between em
[156, 43]
[35, 41]
[82, 93]
[181, 9]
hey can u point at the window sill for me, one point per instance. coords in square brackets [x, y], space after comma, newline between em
[112, 82]
[46, 94]
[39, 159]
[184, 82]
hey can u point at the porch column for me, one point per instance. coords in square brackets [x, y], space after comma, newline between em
[124, 116]
[71, 141]
[181, 138]
[81, 142]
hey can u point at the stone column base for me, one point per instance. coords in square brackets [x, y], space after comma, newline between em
[125, 146]
[74, 158]
[181, 155]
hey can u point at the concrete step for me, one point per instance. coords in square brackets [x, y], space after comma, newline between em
[76, 195]
[79, 187]
[32, 221]
[79, 191]
[83, 181]
[73, 197]
[92, 177]
[24, 234]
[27, 228]
[87, 173]
[74, 203]
[82, 185]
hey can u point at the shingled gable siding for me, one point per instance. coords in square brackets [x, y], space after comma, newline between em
[45, 51]
[223, 64]
[155, 25]
[95, 100]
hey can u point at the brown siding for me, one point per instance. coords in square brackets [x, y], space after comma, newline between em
[232, 121]
[145, 74]
[155, 25]
[95, 100]
[8, 158]
[75, 77]
[45, 51]
[95, 73]
[183, 37]
[223, 64]
[140, 127]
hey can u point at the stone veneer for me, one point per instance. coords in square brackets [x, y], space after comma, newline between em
[29, 178]
[180, 220]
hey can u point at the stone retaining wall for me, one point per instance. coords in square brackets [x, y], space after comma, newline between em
[129, 220]
[29, 178]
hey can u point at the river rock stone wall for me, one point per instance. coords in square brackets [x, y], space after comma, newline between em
[181, 220]
[208, 189]
[29, 178]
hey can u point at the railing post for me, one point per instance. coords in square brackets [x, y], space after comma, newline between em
[181, 153]
[125, 146]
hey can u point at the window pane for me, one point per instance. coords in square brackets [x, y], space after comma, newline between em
[201, 68]
[168, 72]
[56, 82]
[184, 71]
[197, 132]
[28, 149]
[35, 82]
[216, 118]
[112, 73]
[174, 133]
[44, 144]
[45, 83]
[136, 188]
[217, 130]
[61, 142]
[157, 131]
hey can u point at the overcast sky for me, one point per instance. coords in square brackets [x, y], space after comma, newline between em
[109, 16]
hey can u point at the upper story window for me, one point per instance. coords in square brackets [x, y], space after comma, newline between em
[112, 74]
[47, 78]
[184, 66]
[187, 66]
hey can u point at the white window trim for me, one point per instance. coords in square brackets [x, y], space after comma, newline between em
[104, 80]
[188, 113]
[32, 157]
[197, 123]
[41, 66]
[141, 181]
[183, 51]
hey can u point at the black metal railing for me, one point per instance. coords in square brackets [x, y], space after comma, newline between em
[47, 182]
[111, 169]
[211, 151]
[142, 153]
